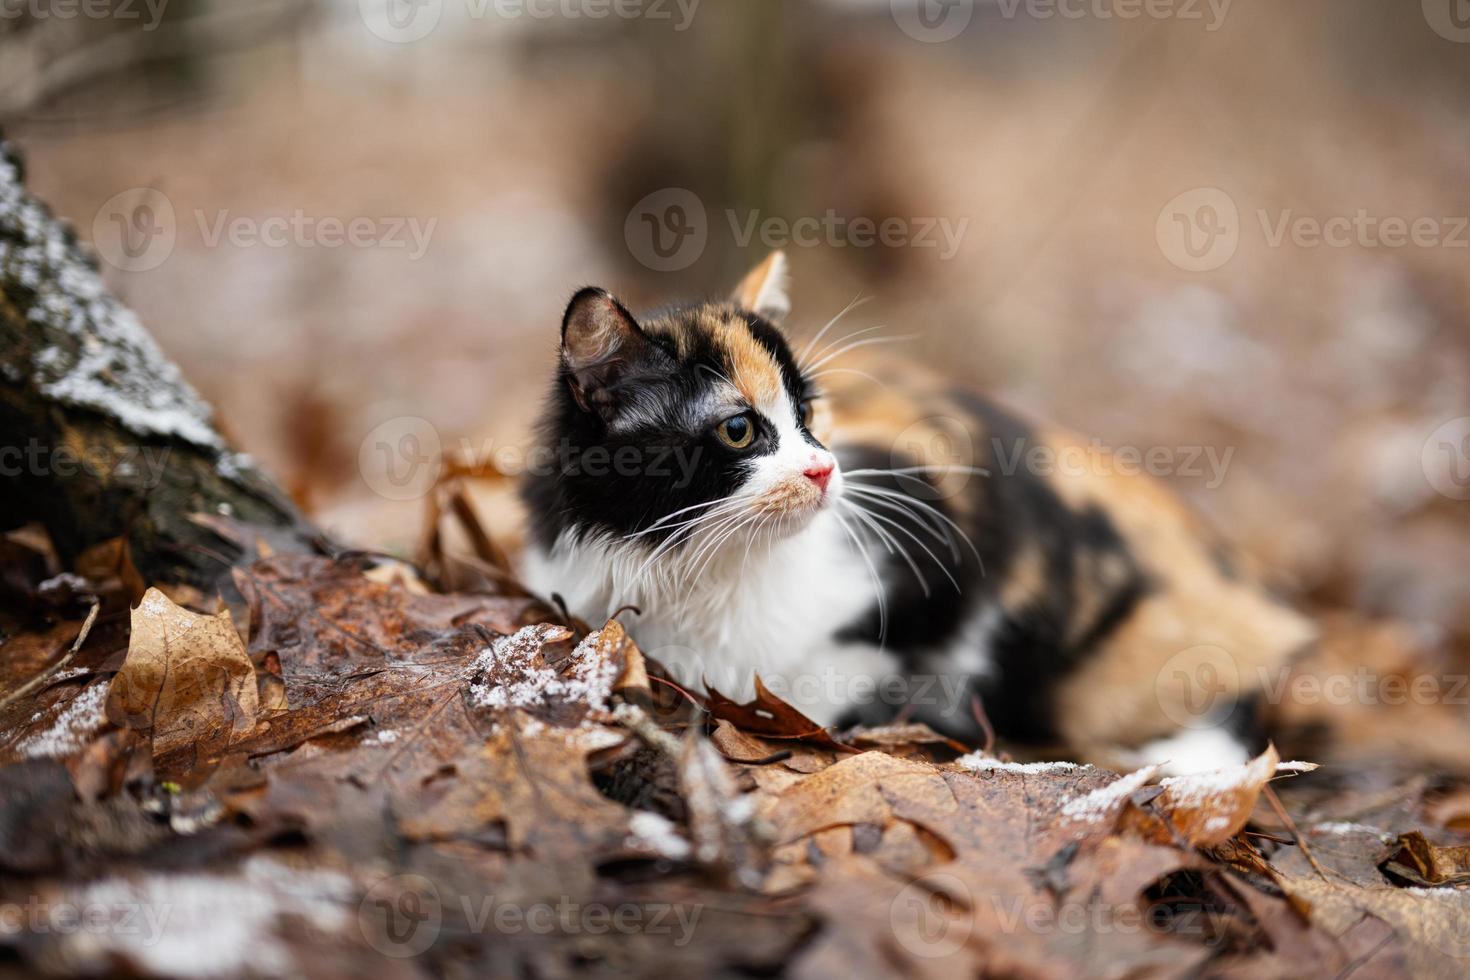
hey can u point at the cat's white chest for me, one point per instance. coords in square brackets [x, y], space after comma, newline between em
[770, 611]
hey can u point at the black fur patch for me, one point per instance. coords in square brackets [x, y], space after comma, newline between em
[656, 453]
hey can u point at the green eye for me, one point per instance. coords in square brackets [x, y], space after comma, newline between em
[737, 431]
[805, 408]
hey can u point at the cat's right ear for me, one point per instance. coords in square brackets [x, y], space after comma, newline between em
[600, 344]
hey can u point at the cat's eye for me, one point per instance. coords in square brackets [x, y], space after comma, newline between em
[806, 409]
[737, 431]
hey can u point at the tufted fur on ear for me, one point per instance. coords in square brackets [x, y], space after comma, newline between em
[601, 347]
[763, 290]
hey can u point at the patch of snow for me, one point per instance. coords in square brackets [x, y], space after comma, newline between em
[654, 831]
[588, 678]
[212, 925]
[73, 727]
[66, 580]
[977, 762]
[1192, 751]
[1459, 896]
[1337, 827]
[1200, 788]
[1297, 766]
[383, 736]
[1105, 801]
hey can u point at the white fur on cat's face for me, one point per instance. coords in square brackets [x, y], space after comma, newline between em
[779, 488]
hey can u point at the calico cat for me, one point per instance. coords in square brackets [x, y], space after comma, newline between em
[864, 540]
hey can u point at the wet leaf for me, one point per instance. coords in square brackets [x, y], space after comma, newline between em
[186, 680]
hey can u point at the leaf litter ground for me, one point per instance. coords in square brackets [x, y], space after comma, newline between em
[342, 771]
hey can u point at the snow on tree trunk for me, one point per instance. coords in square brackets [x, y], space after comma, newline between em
[100, 435]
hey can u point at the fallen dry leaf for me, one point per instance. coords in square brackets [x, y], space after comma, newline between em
[1206, 808]
[769, 716]
[187, 680]
[1415, 860]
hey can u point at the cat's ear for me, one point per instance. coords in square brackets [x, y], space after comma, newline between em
[600, 344]
[763, 290]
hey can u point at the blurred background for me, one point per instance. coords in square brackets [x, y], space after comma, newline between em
[1234, 227]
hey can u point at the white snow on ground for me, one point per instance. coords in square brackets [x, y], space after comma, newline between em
[588, 678]
[657, 832]
[1105, 801]
[976, 762]
[73, 726]
[210, 925]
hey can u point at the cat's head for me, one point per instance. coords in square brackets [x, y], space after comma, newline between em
[698, 412]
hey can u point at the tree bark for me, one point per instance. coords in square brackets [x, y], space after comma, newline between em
[100, 435]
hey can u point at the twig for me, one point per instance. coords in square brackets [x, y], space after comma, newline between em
[687, 696]
[766, 760]
[636, 720]
[977, 708]
[39, 679]
[1296, 836]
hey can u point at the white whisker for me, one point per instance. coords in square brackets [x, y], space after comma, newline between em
[907, 500]
[865, 342]
[915, 538]
[857, 301]
[873, 572]
[889, 541]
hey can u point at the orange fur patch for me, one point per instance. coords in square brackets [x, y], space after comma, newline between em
[753, 370]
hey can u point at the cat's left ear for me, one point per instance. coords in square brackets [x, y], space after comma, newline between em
[602, 348]
[763, 290]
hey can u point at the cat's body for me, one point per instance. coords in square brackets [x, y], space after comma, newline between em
[937, 561]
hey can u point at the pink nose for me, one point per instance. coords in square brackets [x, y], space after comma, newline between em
[819, 473]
